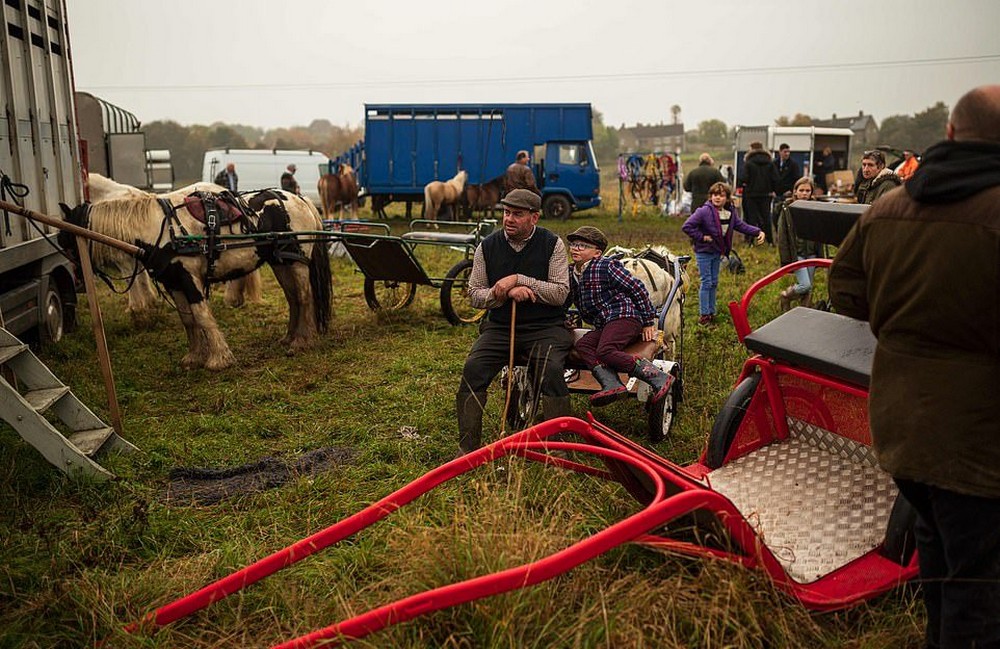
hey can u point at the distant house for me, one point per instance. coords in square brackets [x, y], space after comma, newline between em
[864, 127]
[660, 138]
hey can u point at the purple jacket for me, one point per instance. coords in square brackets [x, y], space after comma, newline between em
[705, 220]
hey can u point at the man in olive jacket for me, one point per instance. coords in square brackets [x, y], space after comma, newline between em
[923, 267]
[700, 179]
[877, 179]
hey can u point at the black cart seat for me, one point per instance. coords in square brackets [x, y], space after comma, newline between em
[454, 238]
[827, 343]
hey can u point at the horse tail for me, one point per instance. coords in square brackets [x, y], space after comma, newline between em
[321, 282]
[321, 189]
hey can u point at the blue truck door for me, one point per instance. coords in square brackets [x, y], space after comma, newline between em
[568, 166]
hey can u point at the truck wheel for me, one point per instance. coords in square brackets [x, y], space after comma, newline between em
[728, 421]
[388, 295]
[556, 207]
[51, 326]
[455, 298]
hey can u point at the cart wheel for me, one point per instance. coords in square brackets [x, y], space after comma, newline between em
[454, 297]
[523, 399]
[728, 421]
[388, 295]
[900, 539]
[661, 415]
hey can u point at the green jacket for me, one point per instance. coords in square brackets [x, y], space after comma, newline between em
[870, 190]
[926, 275]
[790, 246]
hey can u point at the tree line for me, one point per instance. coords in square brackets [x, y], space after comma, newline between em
[187, 144]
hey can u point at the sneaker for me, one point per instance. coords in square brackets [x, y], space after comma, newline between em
[705, 320]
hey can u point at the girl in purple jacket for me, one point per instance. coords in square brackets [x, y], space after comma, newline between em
[711, 229]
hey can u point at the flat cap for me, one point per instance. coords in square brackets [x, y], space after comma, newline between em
[591, 235]
[522, 199]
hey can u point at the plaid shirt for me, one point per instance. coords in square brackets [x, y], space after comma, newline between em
[605, 291]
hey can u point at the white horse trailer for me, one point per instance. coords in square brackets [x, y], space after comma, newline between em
[39, 150]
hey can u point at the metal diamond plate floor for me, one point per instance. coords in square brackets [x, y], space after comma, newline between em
[817, 501]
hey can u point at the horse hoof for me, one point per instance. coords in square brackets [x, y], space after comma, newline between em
[217, 364]
[190, 362]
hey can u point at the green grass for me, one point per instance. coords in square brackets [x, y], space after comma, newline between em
[78, 560]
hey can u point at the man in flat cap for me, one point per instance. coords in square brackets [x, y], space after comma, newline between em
[519, 175]
[526, 265]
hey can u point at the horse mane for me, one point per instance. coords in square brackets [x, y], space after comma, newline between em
[346, 169]
[458, 182]
[125, 218]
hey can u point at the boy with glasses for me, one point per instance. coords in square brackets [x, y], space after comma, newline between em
[618, 306]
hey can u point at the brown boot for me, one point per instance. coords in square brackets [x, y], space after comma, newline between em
[785, 299]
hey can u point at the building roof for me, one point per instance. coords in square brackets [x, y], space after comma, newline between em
[856, 123]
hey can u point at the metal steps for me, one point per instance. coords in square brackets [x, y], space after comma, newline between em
[47, 415]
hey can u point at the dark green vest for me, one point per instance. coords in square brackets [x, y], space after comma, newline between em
[533, 261]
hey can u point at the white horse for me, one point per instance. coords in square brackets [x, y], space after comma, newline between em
[438, 194]
[142, 297]
[302, 267]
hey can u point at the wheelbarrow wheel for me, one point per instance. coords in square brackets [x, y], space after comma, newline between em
[523, 399]
[728, 421]
[661, 414]
[389, 295]
[455, 297]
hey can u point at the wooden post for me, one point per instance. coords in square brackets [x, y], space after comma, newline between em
[103, 357]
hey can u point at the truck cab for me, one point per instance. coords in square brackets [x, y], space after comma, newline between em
[568, 175]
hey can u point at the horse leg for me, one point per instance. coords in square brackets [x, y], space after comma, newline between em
[294, 281]
[197, 353]
[206, 345]
[141, 297]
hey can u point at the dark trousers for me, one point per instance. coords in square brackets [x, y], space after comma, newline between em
[958, 544]
[545, 345]
[604, 346]
[757, 212]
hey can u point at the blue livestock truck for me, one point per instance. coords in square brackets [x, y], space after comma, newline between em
[407, 146]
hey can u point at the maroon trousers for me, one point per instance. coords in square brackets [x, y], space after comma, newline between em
[604, 346]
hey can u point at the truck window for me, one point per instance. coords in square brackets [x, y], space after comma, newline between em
[572, 154]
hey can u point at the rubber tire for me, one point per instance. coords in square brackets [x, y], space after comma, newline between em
[556, 206]
[371, 294]
[662, 414]
[728, 421]
[52, 326]
[900, 539]
[461, 270]
[523, 402]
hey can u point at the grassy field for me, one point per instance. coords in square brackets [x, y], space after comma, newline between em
[78, 560]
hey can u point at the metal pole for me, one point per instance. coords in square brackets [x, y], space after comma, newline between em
[510, 368]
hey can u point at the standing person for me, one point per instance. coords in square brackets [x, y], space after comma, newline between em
[617, 304]
[228, 178]
[788, 172]
[526, 264]
[792, 248]
[759, 180]
[288, 182]
[826, 164]
[933, 396]
[519, 175]
[877, 179]
[711, 230]
[700, 179]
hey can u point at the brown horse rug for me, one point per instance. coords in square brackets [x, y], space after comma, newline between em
[193, 486]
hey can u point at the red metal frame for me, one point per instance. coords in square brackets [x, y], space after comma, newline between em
[666, 490]
[739, 309]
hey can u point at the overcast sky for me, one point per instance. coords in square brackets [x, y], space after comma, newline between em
[270, 63]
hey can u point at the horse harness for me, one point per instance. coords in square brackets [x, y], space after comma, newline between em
[268, 224]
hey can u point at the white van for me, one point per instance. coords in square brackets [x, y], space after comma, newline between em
[262, 168]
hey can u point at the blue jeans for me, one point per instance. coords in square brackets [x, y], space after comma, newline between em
[804, 278]
[708, 270]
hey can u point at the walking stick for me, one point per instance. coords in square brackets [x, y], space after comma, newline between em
[510, 368]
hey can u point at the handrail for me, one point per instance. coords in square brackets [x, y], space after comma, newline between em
[739, 310]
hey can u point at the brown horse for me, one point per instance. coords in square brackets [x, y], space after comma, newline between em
[437, 194]
[338, 189]
[483, 196]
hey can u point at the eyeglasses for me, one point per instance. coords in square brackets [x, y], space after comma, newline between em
[579, 245]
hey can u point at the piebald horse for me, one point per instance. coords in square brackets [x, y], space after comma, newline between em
[301, 266]
[142, 297]
[438, 194]
[340, 188]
